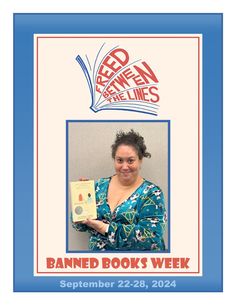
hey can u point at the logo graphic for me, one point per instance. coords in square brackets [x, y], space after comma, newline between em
[116, 82]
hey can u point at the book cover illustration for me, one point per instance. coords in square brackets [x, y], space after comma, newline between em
[83, 202]
[117, 81]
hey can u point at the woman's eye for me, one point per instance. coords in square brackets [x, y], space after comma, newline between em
[130, 161]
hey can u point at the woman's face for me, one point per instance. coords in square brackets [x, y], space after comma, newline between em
[127, 163]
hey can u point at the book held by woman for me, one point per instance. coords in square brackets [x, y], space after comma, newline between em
[83, 202]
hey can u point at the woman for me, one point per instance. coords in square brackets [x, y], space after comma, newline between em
[131, 210]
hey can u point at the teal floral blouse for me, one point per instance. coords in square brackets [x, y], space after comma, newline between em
[136, 224]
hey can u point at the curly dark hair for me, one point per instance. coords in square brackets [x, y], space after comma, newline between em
[133, 139]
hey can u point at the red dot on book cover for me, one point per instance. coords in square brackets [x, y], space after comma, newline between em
[80, 197]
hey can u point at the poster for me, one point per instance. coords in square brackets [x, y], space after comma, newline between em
[83, 81]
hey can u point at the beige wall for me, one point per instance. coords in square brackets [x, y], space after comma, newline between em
[89, 155]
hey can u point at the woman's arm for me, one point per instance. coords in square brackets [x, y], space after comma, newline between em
[97, 225]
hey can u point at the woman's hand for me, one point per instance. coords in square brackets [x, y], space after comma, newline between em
[83, 179]
[97, 225]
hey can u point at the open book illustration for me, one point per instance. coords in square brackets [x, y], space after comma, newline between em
[118, 82]
[83, 201]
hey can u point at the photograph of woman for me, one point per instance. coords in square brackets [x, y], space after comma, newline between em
[131, 210]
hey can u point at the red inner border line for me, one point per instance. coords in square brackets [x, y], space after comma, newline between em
[37, 165]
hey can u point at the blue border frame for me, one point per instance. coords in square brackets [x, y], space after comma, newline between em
[211, 27]
[66, 182]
